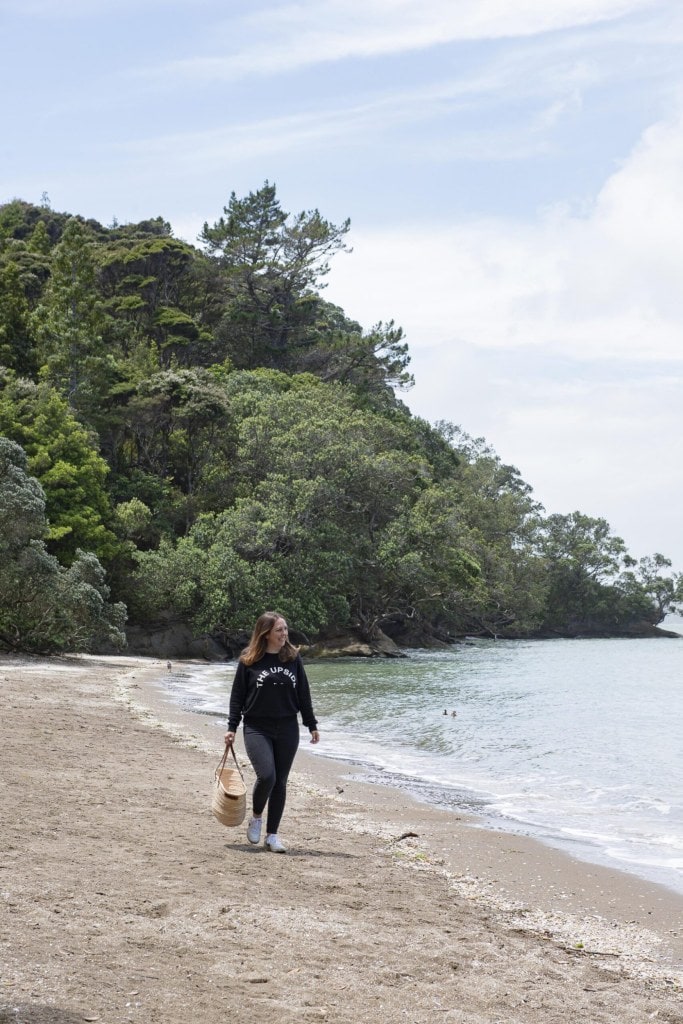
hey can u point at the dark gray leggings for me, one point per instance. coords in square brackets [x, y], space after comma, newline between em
[271, 754]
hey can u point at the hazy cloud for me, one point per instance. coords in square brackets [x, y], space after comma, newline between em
[559, 340]
[601, 282]
[294, 36]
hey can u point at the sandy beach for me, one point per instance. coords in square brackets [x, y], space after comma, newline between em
[123, 899]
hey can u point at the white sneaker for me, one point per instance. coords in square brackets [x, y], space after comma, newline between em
[254, 830]
[274, 845]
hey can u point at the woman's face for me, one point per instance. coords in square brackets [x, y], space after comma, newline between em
[278, 635]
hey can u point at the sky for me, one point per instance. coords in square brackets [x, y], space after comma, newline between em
[512, 170]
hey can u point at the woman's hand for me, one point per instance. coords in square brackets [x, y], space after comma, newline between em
[315, 736]
[229, 739]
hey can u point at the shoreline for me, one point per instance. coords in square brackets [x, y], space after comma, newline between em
[507, 870]
[372, 768]
[470, 808]
[126, 900]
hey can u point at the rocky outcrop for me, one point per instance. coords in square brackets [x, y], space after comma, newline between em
[353, 645]
[591, 631]
[412, 632]
[646, 629]
[173, 638]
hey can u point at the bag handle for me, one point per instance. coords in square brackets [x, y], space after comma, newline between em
[229, 749]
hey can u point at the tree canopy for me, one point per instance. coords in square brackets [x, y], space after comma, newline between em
[45, 607]
[196, 430]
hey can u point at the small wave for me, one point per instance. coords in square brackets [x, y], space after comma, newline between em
[536, 746]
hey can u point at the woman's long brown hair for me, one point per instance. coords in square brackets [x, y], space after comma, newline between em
[256, 647]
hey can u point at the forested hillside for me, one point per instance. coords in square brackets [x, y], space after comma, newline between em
[192, 433]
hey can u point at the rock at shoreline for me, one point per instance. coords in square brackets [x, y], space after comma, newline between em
[350, 645]
[174, 638]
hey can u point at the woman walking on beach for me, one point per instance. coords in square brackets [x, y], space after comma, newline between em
[269, 690]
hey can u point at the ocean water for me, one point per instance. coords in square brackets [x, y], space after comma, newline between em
[575, 742]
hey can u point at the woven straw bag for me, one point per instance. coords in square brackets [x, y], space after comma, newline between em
[229, 800]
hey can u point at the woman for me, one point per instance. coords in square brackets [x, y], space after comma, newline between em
[269, 690]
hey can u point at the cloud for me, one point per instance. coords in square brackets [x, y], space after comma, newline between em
[233, 142]
[86, 9]
[546, 88]
[510, 103]
[602, 282]
[294, 36]
[559, 339]
[611, 448]
[220, 147]
[602, 437]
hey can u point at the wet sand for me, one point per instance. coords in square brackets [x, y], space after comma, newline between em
[122, 898]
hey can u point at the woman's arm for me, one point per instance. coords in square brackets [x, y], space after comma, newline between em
[304, 698]
[238, 696]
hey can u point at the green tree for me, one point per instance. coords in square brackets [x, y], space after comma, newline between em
[132, 519]
[651, 580]
[283, 546]
[147, 286]
[43, 606]
[504, 520]
[167, 580]
[19, 221]
[374, 363]
[16, 342]
[62, 455]
[429, 571]
[33, 269]
[40, 240]
[583, 559]
[272, 265]
[13, 220]
[180, 430]
[316, 481]
[70, 323]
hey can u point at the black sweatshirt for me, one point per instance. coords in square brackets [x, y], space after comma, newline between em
[269, 689]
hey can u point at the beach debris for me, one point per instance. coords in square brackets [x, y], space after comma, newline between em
[406, 835]
[340, 789]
